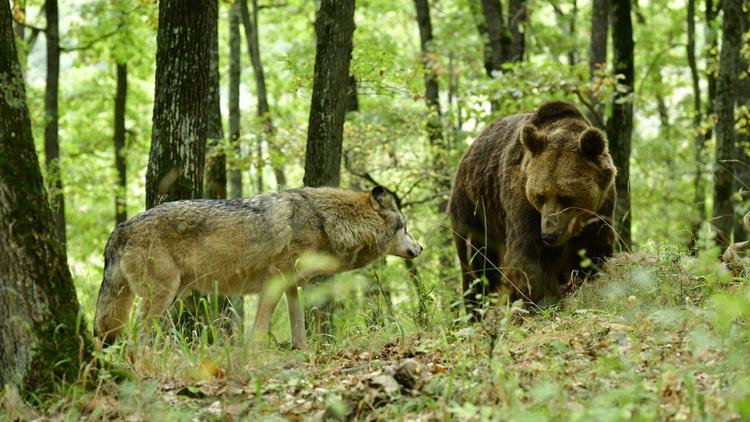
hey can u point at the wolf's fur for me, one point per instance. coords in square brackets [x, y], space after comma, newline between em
[238, 246]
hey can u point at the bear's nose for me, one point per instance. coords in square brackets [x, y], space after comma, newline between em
[549, 239]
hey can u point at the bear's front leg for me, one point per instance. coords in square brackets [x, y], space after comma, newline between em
[523, 268]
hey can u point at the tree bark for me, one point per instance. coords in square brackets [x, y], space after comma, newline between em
[178, 140]
[723, 210]
[120, 163]
[620, 123]
[743, 139]
[334, 30]
[432, 99]
[264, 111]
[51, 123]
[504, 42]
[235, 72]
[698, 137]
[216, 160]
[598, 55]
[42, 339]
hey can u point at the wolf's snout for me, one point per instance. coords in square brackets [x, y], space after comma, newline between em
[415, 251]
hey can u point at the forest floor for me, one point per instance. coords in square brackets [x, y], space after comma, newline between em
[656, 336]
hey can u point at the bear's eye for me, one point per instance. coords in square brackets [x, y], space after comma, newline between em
[565, 201]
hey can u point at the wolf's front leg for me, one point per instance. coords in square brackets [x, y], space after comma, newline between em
[296, 318]
[269, 298]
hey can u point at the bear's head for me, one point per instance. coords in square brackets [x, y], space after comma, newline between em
[568, 171]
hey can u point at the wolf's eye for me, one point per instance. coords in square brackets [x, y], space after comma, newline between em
[539, 199]
[399, 224]
[565, 201]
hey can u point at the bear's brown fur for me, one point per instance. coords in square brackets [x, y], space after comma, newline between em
[532, 191]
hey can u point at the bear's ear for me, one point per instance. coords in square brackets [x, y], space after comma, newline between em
[531, 139]
[592, 142]
[381, 198]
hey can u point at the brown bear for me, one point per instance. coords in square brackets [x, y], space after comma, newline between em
[531, 192]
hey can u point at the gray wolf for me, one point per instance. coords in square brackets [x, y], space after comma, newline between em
[240, 246]
[531, 192]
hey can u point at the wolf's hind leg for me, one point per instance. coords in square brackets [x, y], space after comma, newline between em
[296, 317]
[269, 298]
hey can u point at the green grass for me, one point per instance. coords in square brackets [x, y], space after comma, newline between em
[657, 336]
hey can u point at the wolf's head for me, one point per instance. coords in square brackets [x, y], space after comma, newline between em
[400, 243]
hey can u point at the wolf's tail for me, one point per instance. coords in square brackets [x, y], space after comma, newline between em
[115, 298]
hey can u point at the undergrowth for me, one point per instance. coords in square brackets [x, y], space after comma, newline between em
[656, 335]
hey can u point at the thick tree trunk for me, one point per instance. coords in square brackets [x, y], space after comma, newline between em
[264, 111]
[334, 30]
[42, 339]
[178, 140]
[235, 72]
[598, 55]
[698, 137]
[723, 210]
[620, 123]
[51, 132]
[120, 163]
[216, 160]
[432, 99]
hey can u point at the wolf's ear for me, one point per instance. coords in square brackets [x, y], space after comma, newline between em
[592, 142]
[381, 198]
[531, 139]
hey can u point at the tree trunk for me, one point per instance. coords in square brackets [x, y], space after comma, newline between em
[725, 134]
[334, 30]
[432, 99]
[42, 339]
[216, 160]
[698, 137]
[620, 123]
[120, 163]
[235, 72]
[51, 133]
[504, 41]
[264, 111]
[178, 140]
[712, 60]
[743, 140]
[598, 55]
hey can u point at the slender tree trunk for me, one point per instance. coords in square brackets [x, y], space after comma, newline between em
[598, 56]
[698, 137]
[42, 339]
[216, 160]
[620, 123]
[743, 138]
[178, 141]
[517, 15]
[334, 30]
[120, 163]
[504, 41]
[264, 111]
[19, 8]
[712, 59]
[51, 132]
[432, 99]
[723, 210]
[235, 72]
